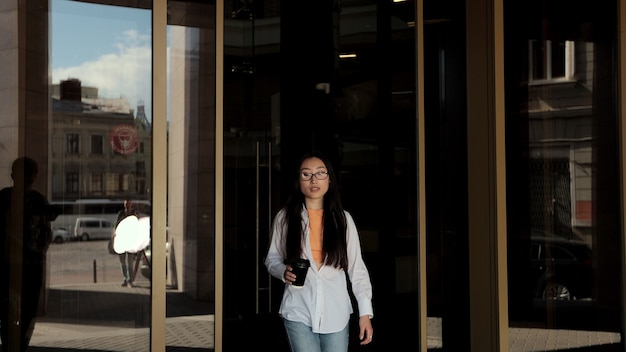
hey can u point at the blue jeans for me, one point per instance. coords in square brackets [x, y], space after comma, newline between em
[127, 264]
[303, 339]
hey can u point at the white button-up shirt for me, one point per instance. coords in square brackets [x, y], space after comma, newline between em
[323, 303]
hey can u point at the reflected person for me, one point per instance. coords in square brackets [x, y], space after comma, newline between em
[127, 259]
[25, 217]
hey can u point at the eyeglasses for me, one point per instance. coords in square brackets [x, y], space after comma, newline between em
[320, 175]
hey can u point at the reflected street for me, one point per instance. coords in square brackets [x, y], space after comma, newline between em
[83, 315]
[84, 262]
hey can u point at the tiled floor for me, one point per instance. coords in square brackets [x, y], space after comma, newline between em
[192, 328]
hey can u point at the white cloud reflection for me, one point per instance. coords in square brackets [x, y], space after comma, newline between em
[127, 72]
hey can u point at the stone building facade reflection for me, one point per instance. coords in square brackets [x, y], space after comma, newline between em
[100, 147]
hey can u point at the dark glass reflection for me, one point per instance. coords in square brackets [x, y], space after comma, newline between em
[562, 167]
[338, 77]
[25, 236]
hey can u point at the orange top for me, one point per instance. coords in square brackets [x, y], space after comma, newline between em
[316, 234]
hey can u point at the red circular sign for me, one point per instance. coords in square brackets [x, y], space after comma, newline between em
[124, 139]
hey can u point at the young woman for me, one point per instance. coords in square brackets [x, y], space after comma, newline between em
[314, 226]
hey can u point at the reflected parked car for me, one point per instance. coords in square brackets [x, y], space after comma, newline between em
[561, 268]
[93, 229]
[60, 235]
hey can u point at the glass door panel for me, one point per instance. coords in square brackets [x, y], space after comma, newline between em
[345, 86]
[190, 265]
[100, 154]
[562, 170]
[446, 173]
[251, 169]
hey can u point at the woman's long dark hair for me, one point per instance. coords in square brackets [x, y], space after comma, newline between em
[334, 245]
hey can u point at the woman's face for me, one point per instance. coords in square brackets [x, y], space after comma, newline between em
[311, 170]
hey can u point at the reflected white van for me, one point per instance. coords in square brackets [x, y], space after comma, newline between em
[93, 229]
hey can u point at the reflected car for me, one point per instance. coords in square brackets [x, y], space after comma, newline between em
[561, 268]
[93, 229]
[60, 235]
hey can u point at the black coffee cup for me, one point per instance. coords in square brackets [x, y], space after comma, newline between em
[300, 267]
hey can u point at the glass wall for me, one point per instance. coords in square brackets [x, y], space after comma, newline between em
[100, 153]
[564, 230]
[335, 76]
